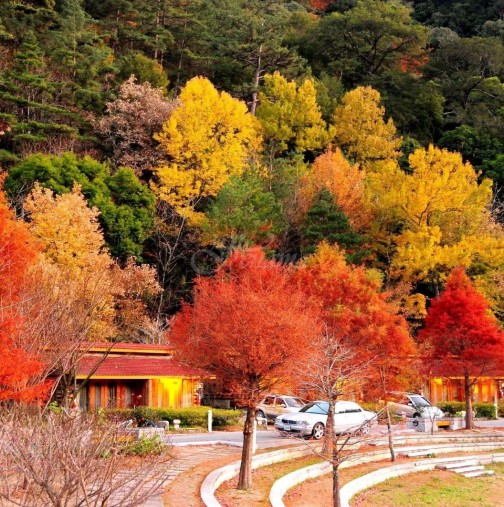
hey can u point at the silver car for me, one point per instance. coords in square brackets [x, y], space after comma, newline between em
[412, 405]
[311, 420]
[276, 404]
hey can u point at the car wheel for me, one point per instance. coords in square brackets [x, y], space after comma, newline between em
[260, 415]
[318, 431]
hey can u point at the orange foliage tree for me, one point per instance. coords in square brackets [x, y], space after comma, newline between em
[365, 339]
[249, 325]
[18, 250]
[359, 317]
[345, 183]
[461, 336]
[75, 294]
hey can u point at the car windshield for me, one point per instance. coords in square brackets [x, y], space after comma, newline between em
[317, 407]
[420, 401]
[293, 402]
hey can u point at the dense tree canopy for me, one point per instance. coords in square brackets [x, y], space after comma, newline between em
[196, 126]
[126, 206]
[371, 38]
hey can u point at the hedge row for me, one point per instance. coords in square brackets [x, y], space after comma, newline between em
[482, 409]
[450, 408]
[188, 417]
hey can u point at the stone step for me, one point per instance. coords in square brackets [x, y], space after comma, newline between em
[457, 464]
[468, 469]
[480, 473]
[419, 439]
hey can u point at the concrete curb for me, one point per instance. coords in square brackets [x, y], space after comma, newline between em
[282, 485]
[366, 481]
[209, 442]
[217, 477]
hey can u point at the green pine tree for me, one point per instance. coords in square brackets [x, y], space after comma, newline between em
[29, 102]
[326, 222]
[81, 57]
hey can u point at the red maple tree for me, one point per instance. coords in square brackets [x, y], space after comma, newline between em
[17, 251]
[358, 314]
[461, 336]
[249, 325]
[365, 342]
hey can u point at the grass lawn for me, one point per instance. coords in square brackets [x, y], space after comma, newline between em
[438, 488]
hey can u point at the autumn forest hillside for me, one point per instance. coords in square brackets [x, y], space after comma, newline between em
[141, 142]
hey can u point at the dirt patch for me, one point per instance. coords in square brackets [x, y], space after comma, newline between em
[263, 478]
[317, 492]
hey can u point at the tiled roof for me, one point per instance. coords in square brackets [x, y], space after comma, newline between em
[134, 366]
[124, 347]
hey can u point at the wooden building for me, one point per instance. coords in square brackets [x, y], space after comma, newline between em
[128, 375]
[485, 389]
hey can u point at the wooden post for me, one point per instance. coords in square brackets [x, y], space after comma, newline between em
[210, 421]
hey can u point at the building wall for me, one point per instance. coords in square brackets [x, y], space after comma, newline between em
[486, 390]
[170, 392]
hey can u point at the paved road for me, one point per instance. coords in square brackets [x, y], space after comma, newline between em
[271, 438]
[265, 438]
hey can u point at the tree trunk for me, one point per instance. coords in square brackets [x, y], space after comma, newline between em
[245, 478]
[257, 78]
[334, 452]
[335, 476]
[468, 399]
[390, 439]
[329, 444]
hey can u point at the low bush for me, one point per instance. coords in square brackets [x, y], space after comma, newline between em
[501, 407]
[452, 408]
[485, 410]
[188, 417]
[144, 446]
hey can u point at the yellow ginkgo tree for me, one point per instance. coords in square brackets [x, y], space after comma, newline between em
[290, 116]
[68, 229]
[208, 138]
[361, 131]
[445, 217]
[75, 265]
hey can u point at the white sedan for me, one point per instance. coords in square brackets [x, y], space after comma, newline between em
[312, 419]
